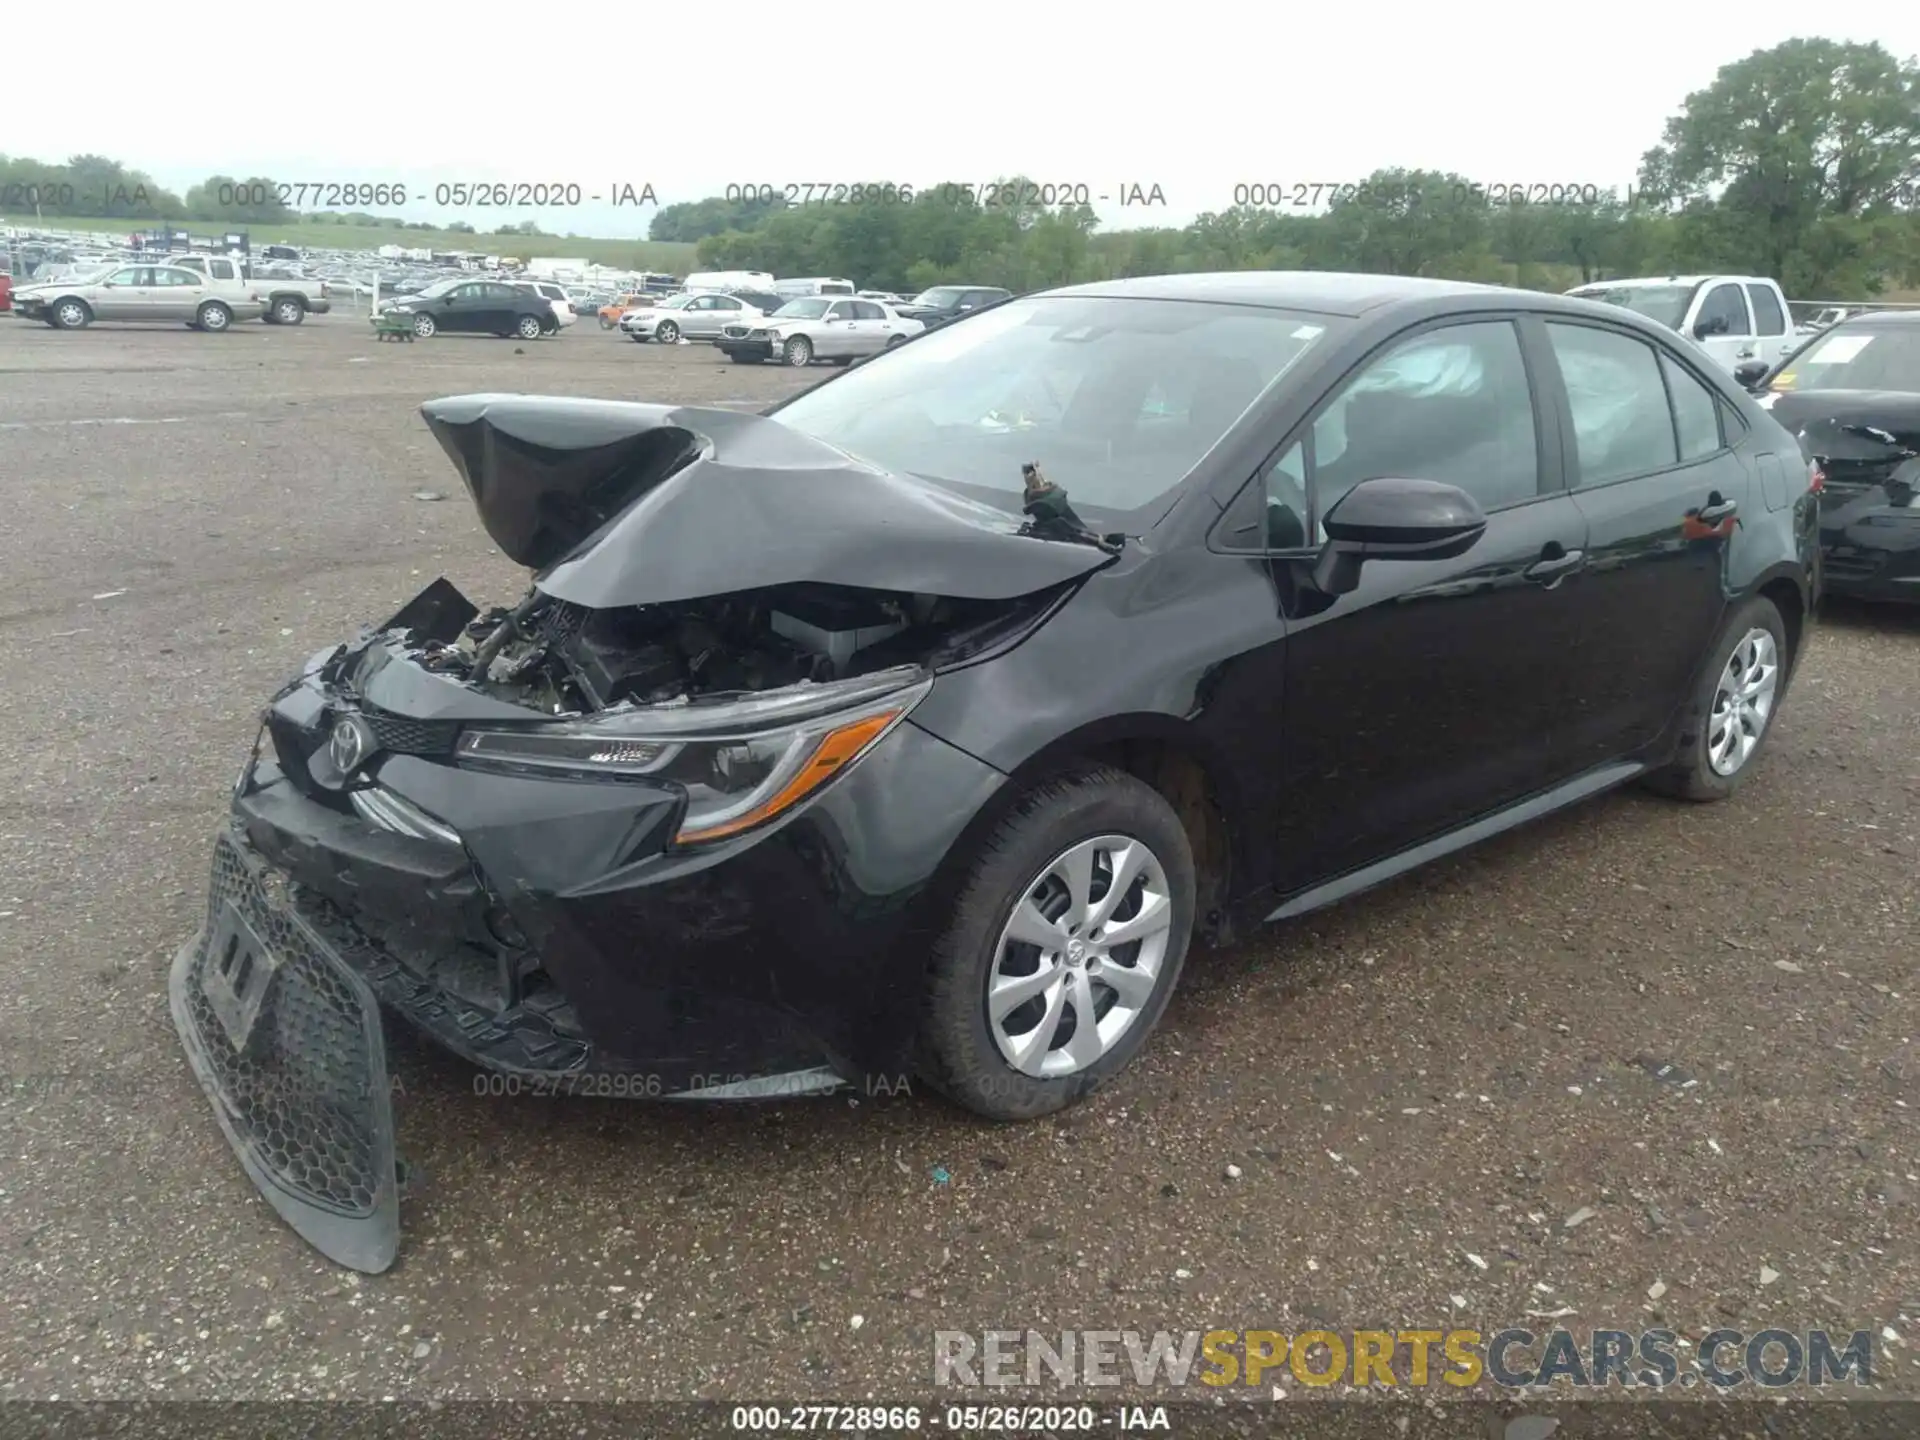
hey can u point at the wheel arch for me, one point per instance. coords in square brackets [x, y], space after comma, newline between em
[1167, 754]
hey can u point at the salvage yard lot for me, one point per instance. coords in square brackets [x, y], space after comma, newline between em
[1449, 1066]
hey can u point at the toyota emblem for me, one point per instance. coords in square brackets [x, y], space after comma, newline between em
[353, 741]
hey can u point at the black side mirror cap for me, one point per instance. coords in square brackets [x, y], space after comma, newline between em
[1751, 373]
[1394, 518]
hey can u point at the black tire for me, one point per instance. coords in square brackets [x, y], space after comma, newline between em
[957, 1052]
[606, 324]
[666, 332]
[797, 352]
[213, 317]
[529, 327]
[1692, 776]
[287, 311]
[71, 313]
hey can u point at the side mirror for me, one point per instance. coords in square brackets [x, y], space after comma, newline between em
[446, 299]
[1710, 326]
[1751, 373]
[1395, 519]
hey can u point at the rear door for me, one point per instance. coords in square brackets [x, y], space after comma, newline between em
[1773, 337]
[870, 328]
[1650, 461]
[177, 293]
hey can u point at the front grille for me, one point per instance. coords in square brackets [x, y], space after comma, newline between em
[405, 736]
[303, 1094]
[735, 332]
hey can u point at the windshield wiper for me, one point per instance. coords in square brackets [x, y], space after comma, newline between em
[1050, 517]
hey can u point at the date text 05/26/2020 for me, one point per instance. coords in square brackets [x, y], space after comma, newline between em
[987, 194]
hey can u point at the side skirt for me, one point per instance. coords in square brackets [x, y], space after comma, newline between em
[1572, 792]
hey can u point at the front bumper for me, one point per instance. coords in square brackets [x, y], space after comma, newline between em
[542, 930]
[746, 349]
[1869, 547]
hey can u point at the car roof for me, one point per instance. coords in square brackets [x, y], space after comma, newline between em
[1638, 281]
[1329, 292]
[1881, 317]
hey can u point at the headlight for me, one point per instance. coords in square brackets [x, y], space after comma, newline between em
[741, 763]
[774, 337]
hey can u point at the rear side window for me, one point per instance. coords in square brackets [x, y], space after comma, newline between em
[1621, 422]
[1768, 317]
[1696, 414]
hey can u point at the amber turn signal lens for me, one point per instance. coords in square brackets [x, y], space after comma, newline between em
[836, 750]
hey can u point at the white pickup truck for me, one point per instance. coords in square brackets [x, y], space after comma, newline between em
[1737, 319]
[288, 301]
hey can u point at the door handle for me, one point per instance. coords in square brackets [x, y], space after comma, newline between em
[1747, 354]
[1549, 569]
[1715, 510]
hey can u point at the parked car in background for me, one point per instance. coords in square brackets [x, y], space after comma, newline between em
[288, 299]
[139, 294]
[611, 312]
[465, 306]
[6, 292]
[708, 281]
[945, 303]
[555, 294]
[885, 297]
[762, 300]
[1734, 318]
[817, 327]
[1851, 397]
[977, 684]
[812, 285]
[694, 317]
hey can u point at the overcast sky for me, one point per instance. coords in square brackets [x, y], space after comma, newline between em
[1194, 98]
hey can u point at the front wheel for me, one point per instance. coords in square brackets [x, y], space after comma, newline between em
[213, 317]
[529, 327]
[666, 332]
[1733, 710]
[606, 324]
[424, 327]
[1064, 947]
[798, 351]
[72, 315]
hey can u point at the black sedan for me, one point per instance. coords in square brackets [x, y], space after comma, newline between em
[919, 725]
[477, 307]
[1851, 396]
[945, 303]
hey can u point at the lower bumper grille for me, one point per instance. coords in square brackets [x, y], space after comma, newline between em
[286, 1041]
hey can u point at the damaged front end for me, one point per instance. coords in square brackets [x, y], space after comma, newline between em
[600, 844]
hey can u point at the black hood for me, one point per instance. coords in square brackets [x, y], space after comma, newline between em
[616, 503]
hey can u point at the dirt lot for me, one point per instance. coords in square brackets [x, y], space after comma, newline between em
[1416, 1089]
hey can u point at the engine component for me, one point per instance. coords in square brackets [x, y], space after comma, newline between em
[835, 623]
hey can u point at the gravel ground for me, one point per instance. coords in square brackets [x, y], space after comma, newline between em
[1414, 1091]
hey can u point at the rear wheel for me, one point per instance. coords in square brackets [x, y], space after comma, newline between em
[213, 317]
[1064, 947]
[529, 327]
[72, 315]
[1733, 710]
[893, 340]
[288, 312]
[798, 351]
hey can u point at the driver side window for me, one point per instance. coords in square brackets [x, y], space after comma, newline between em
[1451, 404]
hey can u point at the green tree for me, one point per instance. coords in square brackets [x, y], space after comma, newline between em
[1789, 158]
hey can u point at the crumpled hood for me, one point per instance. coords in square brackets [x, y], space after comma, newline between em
[1847, 419]
[617, 503]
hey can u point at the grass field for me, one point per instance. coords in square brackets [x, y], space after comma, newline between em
[670, 257]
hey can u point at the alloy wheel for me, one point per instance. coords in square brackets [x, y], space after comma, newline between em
[1078, 961]
[423, 326]
[667, 332]
[70, 314]
[529, 327]
[1743, 701]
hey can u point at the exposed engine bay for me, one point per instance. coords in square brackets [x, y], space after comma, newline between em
[561, 658]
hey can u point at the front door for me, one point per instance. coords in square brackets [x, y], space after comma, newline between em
[1426, 697]
[1724, 307]
[836, 338]
[127, 294]
[1773, 337]
[1651, 469]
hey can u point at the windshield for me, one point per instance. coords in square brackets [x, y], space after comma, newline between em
[810, 309]
[940, 296]
[675, 302]
[1855, 358]
[1664, 304]
[1115, 399]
